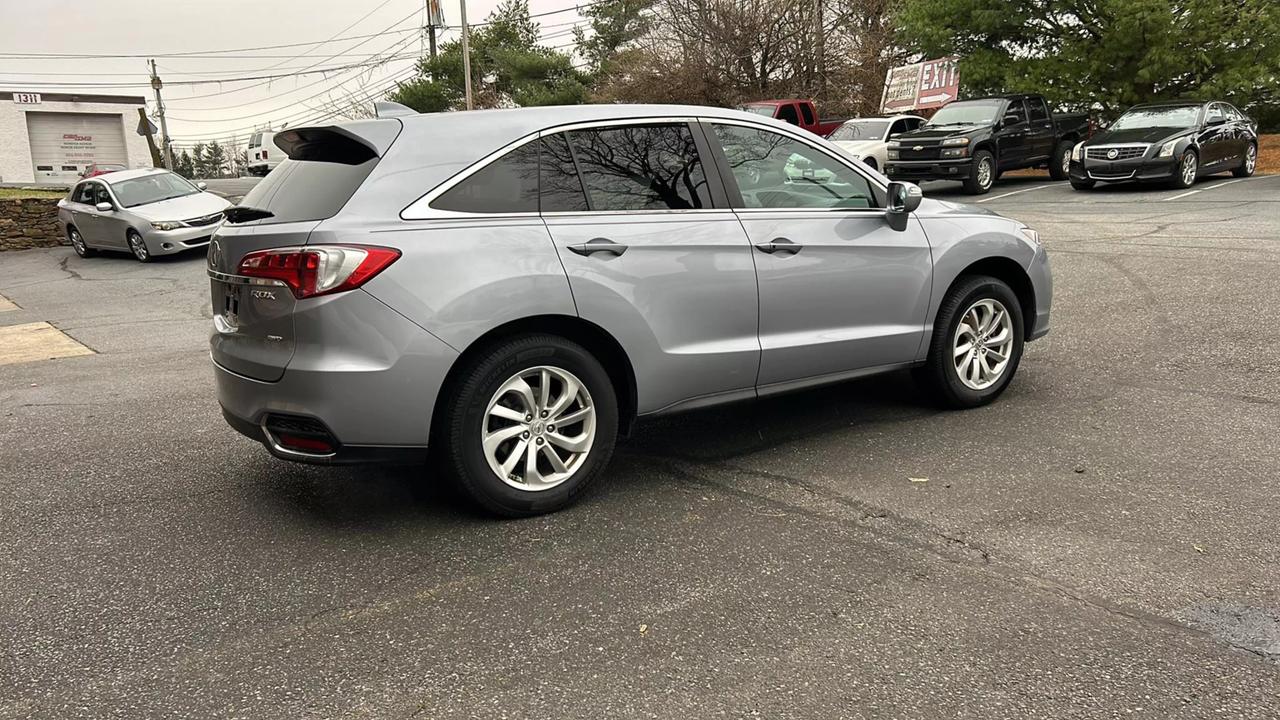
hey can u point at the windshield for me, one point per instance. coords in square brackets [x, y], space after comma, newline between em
[860, 130]
[152, 188]
[766, 110]
[1177, 116]
[972, 112]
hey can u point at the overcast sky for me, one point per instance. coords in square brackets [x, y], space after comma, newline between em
[208, 111]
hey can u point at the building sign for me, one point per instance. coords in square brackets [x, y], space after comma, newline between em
[78, 147]
[921, 86]
[26, 98]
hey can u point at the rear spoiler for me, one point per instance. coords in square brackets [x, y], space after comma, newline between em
[348, 144]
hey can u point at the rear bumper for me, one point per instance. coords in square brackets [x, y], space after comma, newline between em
[342, 455]
[1136, 170]
[928, 169]
[360, 370]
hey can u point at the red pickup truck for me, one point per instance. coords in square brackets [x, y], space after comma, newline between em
[796, 112]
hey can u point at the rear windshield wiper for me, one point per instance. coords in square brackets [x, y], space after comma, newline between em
[244, 213]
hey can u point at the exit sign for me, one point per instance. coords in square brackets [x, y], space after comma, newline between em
[26, 98]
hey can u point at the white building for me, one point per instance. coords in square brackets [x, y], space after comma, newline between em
[49, 138]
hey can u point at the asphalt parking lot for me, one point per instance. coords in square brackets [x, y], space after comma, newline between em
[1102, 542]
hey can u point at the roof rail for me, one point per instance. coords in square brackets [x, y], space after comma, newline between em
[388, 109]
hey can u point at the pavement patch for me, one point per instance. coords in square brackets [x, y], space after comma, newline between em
[6, 304]
[36, 341]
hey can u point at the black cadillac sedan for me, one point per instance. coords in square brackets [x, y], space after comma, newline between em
[1173, 142]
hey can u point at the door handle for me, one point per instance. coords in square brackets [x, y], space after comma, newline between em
[779, 245]
[596, 245]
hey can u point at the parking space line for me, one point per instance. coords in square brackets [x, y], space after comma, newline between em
[1193, 192]
[7, 304]
[1015, 192]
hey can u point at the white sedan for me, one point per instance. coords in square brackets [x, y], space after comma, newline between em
[867, 139]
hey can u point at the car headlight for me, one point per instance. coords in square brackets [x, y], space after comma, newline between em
[892, 153]
[1166, 150]
[1077, 152]
[952, 142]
[166, 225]
[1030, 234]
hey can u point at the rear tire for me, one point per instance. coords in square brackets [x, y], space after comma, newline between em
[483, 432]
[1060, 162]
[1082, 184]
[78, 244]
[991, 341]
[1249, 163]
[982, 173]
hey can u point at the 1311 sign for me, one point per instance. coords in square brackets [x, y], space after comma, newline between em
[26, 98]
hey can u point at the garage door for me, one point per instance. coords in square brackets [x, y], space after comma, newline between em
[62, 144]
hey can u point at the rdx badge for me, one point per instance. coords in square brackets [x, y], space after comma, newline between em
[264, 294]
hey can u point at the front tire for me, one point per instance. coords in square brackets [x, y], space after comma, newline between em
[977, 342]
[871, 163]
[138, 247]
[530, 426]
[1249, 163]
[1184, 176]
[982, 173]
[1060, 163]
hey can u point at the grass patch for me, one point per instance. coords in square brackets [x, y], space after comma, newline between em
[14, 193]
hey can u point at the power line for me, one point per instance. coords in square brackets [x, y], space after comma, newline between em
[394, 48]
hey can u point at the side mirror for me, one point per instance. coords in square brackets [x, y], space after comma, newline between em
[202, 186]
[104, 207]
[1011, 120]
[904, 198]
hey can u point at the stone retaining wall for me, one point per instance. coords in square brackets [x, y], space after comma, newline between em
[29, 223]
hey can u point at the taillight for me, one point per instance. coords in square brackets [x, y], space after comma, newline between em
[319, 269]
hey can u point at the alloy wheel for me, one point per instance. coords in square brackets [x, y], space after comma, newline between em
[1250, 159]
[538, 428]
[1189, 168]
[984, 173]
[982, 344]
[1066, 163]
[139, 247]
[77, 242]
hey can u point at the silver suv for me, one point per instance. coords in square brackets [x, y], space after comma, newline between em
[515, 288]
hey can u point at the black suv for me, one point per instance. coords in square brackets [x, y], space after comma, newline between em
[1174, 142]
[973, 141]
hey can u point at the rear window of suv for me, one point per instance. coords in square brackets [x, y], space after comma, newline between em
[299, 190]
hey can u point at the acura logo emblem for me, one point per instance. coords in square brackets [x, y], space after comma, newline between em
[1112, 154]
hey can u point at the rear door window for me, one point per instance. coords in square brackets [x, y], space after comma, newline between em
[807, 111]
[640, 167]
[787, 113]
[84, 194]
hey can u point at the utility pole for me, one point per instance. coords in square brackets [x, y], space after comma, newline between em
[164, 126]
[466, 54]
[820, 44]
